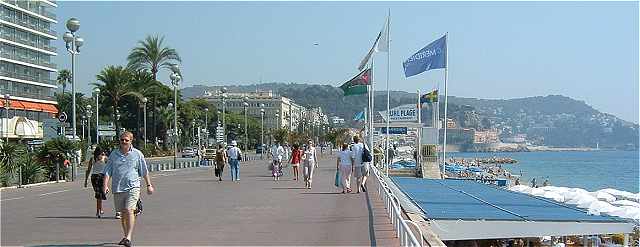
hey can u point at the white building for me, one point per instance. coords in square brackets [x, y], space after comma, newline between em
[26, 68]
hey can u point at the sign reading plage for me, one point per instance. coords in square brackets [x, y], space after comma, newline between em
[403, 113]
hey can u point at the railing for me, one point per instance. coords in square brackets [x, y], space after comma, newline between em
[29, 25]
[34, 9]
[27, 60]
[18, 93]
[407, 238]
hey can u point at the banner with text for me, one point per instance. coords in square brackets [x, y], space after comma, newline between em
[403, 113]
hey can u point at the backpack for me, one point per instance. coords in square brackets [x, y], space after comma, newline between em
[366, 155]
[219, 156]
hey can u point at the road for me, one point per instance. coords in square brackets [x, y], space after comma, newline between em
[190, 207]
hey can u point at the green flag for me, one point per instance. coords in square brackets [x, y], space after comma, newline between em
[358, 84]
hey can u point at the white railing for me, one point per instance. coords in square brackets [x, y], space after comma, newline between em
[407, 238]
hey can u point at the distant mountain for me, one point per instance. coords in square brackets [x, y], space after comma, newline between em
[552, 120]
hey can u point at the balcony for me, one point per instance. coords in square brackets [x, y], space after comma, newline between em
[25, 5]
[29, 25]
[28, 95]
[27, 60]
[27, 77]
[28, 42]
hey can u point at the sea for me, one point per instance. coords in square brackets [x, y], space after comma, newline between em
[592, 170]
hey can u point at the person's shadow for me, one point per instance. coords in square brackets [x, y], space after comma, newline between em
[78, 245]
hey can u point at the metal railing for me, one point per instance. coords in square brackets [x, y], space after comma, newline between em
[12, 37]
[392, 205]
[27, 77]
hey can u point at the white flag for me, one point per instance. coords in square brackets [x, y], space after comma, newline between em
[380, 45]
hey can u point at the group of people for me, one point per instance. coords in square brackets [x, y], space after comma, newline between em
[232, 156]
[306, 156]
[350, 162]
[124, 167]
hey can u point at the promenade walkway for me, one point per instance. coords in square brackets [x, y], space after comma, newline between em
[191, 208]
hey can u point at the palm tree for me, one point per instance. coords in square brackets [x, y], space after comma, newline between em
[118, 83]
[64, 76]
[152, 55]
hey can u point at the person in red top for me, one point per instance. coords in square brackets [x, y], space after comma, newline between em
[296, 154]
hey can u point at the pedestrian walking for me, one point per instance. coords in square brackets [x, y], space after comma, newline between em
[221, 160]
[125, 166]
[96, 169]
[235, 155]
[344, 164]
[277, 153]
[296, 156]
[309, 163]
[360, 168]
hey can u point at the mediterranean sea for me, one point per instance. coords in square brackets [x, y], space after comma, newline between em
[588, 170]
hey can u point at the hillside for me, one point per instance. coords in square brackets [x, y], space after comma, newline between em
[552, 120]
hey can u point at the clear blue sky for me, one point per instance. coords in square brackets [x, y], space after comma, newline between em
[498, 50]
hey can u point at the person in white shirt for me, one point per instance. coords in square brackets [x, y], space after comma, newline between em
[96, 169]
[344, 164]
[277, 153]
[234, 155]
[360, 168]
[309, 162]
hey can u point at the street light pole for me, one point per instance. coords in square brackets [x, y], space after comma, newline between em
[73, 43]
[245, 103]
[261, 129]
[7, 105]
[97, 91]
[175, 78]
[206, 127]
[89, 112]
[144, 115]
[224, 103]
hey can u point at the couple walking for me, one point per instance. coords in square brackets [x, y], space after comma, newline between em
[232, 156]
[309, 159]
[350, 162]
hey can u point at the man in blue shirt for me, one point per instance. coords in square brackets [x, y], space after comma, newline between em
[125, 167]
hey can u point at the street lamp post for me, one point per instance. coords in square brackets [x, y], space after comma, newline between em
[224, 103]
[175, 79]
[206, 127]
[7, 105]
[89, 112]
[261, 129]
[144, 121]
[73, 44]
[97, 91]
[83, 120]
[245, 104]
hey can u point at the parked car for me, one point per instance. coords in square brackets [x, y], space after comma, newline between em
[189, 153]
[259, 149]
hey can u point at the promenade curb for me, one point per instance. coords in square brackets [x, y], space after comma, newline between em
[32, 185]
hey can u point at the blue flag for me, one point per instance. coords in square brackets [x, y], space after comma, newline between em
[433, 56]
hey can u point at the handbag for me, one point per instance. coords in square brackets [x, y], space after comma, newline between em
[366, 155]
[337, 180]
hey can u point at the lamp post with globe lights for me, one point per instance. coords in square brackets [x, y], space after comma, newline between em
[97, 92]
[245, 104]
[261, 129]
[73, 44]
[206, 127]
[224, 103]
[175, 79]
[144, 121]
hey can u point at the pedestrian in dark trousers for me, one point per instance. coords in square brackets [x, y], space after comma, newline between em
[221, 160]
[96, 169]
[126, 165]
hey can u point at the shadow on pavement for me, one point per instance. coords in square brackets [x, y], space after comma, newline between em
[321, 193]
[58, 245]
[73, 217]
[290, 188]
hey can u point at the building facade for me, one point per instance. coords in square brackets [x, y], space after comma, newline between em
[27, 72]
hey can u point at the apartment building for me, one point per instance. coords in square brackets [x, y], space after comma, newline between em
[27, 73]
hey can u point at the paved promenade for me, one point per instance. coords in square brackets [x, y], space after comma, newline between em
[190, 207]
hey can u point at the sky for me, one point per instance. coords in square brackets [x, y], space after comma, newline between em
[497, 50]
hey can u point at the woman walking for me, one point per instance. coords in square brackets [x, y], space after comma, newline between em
[221, 160]
[344, 164]
[310, 160]
[96, 169]
[296, 156]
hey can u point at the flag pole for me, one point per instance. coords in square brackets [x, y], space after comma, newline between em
[419, 135]
[446, 75]
[388, 95]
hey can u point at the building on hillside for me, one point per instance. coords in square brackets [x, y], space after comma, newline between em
[280, 112]
[519, 138]
[489, 136]
[26, 68]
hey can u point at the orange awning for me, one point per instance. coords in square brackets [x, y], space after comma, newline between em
[31, 106]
